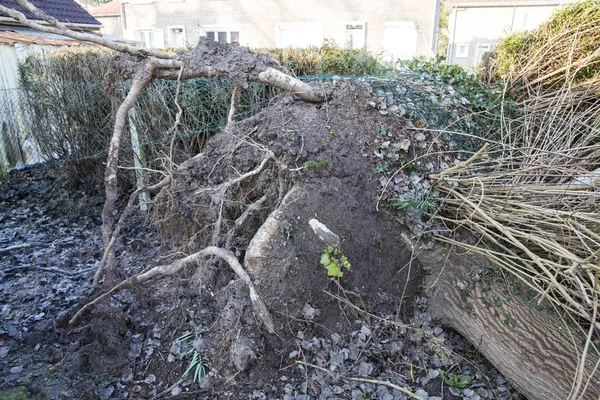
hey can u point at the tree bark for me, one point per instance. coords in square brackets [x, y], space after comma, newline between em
[537, 352]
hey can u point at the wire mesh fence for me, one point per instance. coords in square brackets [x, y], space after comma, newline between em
[72, 122]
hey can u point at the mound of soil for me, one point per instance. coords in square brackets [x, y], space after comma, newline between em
[253, 190]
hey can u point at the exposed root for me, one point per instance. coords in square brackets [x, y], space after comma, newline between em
[239, 222]
[259, 306]
[220, 190]
[234, 96]
[117, 230]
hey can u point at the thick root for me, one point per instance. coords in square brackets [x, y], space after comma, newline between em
[259, 306]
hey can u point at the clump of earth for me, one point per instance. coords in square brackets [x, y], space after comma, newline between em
[253, 190]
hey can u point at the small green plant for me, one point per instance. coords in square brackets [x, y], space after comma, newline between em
[333, 133]
[198, 365]
[456, 381]
[317, 164]
[289, 228]
[333, 261]
[420, 203]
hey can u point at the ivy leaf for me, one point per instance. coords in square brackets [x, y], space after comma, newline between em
[334, 270]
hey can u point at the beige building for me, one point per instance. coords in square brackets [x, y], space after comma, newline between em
[474, 26]
[109, 15]
[395, 28]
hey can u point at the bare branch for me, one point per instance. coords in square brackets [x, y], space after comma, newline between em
[61, 29]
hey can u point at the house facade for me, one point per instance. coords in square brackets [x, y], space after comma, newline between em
[109, 15]
[474, 26]
[394, 28]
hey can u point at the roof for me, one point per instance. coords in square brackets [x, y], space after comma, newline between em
[110, 8]
[63, 10]
[11, 37]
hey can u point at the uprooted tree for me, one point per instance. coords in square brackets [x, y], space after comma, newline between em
[253, 190]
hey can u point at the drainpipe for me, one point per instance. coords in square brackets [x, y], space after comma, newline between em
[512, 22]
[450, 57]
[436, 26]
[123, 19]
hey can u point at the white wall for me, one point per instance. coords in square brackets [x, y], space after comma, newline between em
[259, 20]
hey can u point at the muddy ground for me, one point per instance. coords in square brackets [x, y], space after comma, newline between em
[356, 337]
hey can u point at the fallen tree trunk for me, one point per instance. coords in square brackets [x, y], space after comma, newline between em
[536, 350]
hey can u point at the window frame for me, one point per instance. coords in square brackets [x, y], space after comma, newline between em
[462, 50]
[215, 29]
[364, 33]
[170, 28]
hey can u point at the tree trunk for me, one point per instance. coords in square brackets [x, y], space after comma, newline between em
[537, 352]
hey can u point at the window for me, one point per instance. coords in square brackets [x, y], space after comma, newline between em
[303, 34]
[462, 50]
[480, 51]
[149, 38]
[222, 34]
[145, 38]
[355, 35]
[177, 36]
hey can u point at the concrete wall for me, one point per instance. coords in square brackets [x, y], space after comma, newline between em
[258, 19]
[479, 27]
[111, 25]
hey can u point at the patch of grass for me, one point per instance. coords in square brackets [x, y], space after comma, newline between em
[17, 393]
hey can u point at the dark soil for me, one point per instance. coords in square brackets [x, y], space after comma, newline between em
[349, 338]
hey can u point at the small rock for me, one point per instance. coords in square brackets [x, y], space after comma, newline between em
[309, 312]
[324, 233]
[483, 393]
[150, 379]
[176, 391]
[16, 370]
[241, 354]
